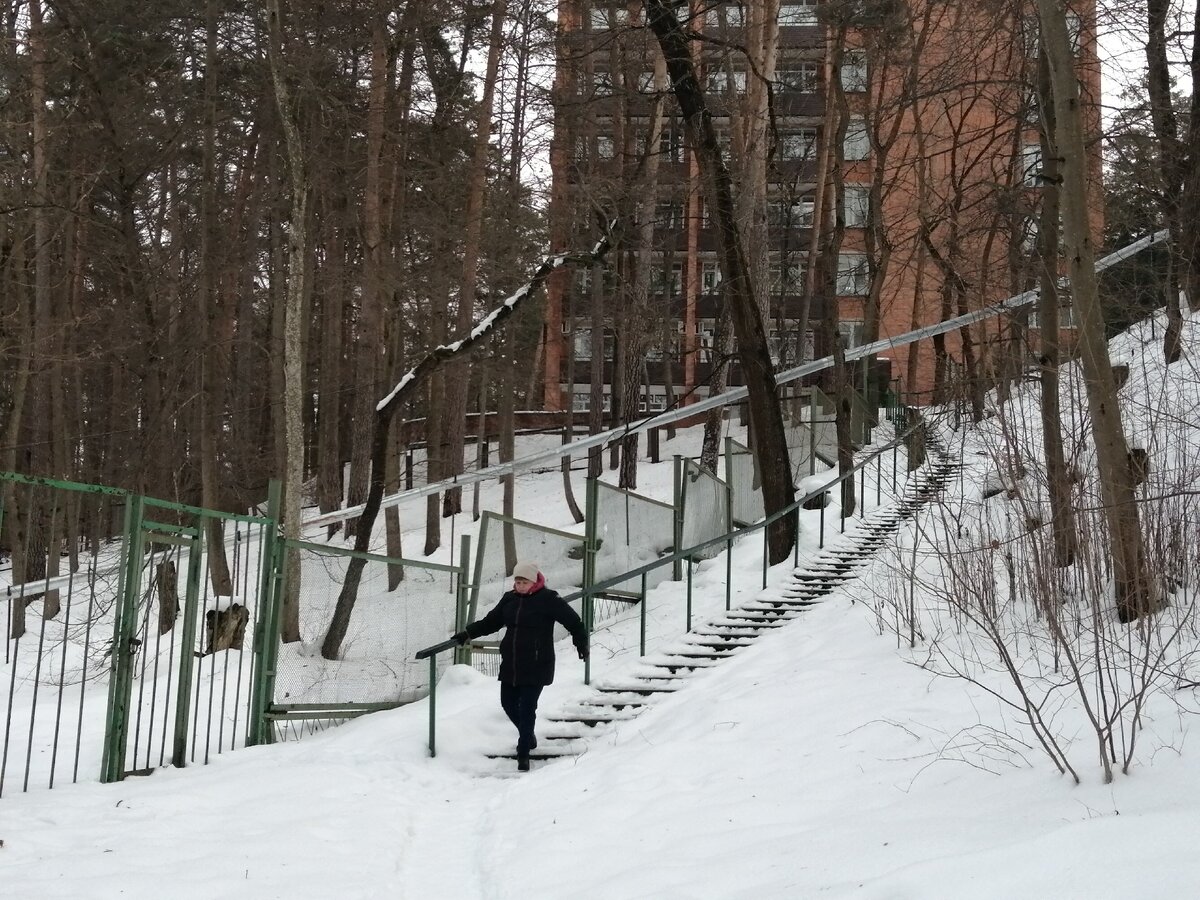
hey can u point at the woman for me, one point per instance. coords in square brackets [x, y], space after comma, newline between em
[527, 613]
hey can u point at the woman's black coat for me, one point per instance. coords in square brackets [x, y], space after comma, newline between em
[527, 648]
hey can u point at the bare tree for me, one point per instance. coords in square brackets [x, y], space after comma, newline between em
[294, 313]
[754, 354]
[1134, 592]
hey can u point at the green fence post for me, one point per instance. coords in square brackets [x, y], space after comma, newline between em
[266, 633]
[862, 490]
[642, 638]
[589, 567]
[463, 597]
[187, 644]
[433, 705]
[812, 431]
[477, 580]
[120, 685]
[728, 519]
[689, 593]
[766, 553]
[677, 501]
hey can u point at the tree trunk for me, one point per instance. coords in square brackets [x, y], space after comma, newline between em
[213, 371]
[720, 354]
[371, 344]
[1058, 483]
[753, 351]
[457, 375]
[1134, 592]
[293, 350]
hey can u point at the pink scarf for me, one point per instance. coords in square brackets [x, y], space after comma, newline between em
[537, 586]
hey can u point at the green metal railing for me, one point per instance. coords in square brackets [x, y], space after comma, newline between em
[685, 559]
[172, 695]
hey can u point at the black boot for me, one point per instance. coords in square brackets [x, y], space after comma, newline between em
[523, 762]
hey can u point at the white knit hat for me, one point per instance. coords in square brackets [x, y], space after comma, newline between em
[526, 570]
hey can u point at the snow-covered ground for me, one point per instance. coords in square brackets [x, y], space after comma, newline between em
[828, 759]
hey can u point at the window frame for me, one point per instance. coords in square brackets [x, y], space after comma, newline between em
[858, 139]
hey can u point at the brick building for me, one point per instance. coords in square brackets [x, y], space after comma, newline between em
[924, 208]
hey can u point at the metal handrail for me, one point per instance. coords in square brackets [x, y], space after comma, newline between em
[591, 590]
[689, 552]
[730, 396]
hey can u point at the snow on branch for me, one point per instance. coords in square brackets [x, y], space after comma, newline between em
[438, 355]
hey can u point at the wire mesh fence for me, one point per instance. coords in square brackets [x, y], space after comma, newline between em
[745, 484]
[400, 606]
[630, 530]
[704, 508]
[60, 578]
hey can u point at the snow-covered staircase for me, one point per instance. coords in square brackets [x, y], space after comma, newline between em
[625, 695]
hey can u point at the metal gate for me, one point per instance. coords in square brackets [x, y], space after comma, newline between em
[191, 605]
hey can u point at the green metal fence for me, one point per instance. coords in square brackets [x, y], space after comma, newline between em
[128, 626]
[191, 599]
[61, 573]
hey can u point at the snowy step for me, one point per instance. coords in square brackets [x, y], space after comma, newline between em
[540, 752]
[618, 702]
[670, 659]
[562, 733]
[591, 716]
[661, 673]
[716, 643]
[729, 632]
[633, 686]
[773, 618]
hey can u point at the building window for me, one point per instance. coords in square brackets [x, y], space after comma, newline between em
[722, 146]
[800, 13]
[801, 77]
[854, 71]
[583, 401]
[658, 280]
[670, 145]
[602, 85]
[794, 213]
[604, 146]
[857, 205]
[800, 144]
[710, 276]
[1031, 108]
[857, 144]
[658, 399]
[850, 332]
[786, 346]
[1030, 227]
[1031, 30]
[787, 279]
[1031, 165]
[669, 215]
[729, 15]
[853, 278]
[605, 19]
[721, 81]
[645, 82]
[583, 340]
[706, 333]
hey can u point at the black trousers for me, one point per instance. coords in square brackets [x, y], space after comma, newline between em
[520, 705]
